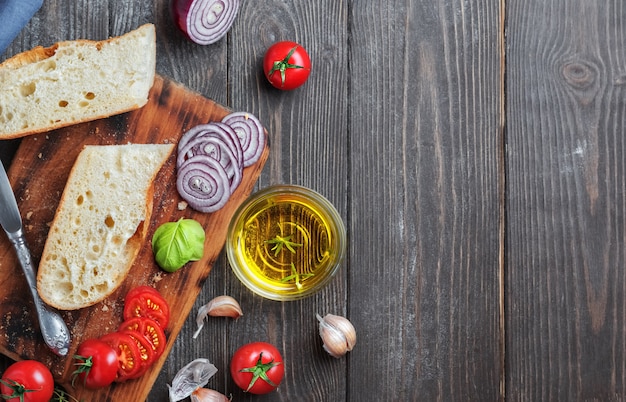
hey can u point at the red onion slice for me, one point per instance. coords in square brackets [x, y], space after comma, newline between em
[192, 142]
[202, 182]
[205, 21]
[190, 134]
[232, 140]
[250, 133]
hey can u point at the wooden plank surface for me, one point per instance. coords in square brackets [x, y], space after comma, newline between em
[566, 206]
[401, 127]
[427, 164]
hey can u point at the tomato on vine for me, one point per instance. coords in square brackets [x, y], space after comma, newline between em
[27, 381]
[286, 65]
[257, 368]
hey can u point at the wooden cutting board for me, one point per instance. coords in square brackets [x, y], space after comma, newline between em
[38, 175]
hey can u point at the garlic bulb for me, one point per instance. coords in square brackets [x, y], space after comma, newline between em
[221, 306]
[337, 333]
[207, 395]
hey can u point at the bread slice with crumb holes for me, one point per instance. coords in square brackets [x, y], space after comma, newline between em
[76, 81]
[100, 223]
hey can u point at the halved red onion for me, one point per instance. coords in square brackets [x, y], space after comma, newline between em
[203, 182]
[204, 21]
[250, 133]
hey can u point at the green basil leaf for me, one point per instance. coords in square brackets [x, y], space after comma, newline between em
[176, 243]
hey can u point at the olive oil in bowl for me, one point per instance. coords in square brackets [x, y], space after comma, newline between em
[286, 242]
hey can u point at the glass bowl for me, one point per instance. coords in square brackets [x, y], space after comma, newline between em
[286, 242]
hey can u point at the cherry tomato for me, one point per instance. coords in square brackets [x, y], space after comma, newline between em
[149, 330]
[146, 352]
[97, 364]
[286, 65]
[146, 301]
[128, 355]
[27, 381]
[257, 368]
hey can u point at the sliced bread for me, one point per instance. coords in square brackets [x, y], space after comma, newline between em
[100, 224]
[76, 81]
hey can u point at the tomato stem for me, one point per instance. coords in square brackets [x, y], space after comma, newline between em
[283, 65]
[84, 366]
[19, 390]
[259, 370]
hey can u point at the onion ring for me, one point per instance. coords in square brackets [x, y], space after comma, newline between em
[203, 182]
[250, 133]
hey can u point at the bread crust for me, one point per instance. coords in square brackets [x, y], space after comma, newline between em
[30, 56]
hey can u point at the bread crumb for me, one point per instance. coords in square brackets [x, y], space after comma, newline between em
[29, 214]
[157, 277]
[182, 206]
[40, 155]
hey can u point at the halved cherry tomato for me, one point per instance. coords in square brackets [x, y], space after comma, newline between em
[146, 301]
[146, 352]
[150, 330]
[128, 354]
[96, 364]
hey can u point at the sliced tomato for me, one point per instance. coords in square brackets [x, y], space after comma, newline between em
[146, 352]
[146, 301]
[128, 354]
[150, 330]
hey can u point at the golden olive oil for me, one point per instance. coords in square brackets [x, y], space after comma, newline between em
[287, 244]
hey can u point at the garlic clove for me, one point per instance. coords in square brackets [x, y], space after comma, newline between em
[337, 333]
[224, 306]
[208, 395]
[221, 306]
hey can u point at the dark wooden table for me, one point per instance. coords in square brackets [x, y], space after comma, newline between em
[475, 150]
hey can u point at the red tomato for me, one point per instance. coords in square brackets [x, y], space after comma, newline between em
[149, 330]
[286, 65]
[27, 381]
[146, 301]
[97, 364]
[128, 355]
[146, 352]
[257, 368]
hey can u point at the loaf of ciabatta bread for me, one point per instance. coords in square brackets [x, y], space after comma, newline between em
[100, 223]
[76, 81]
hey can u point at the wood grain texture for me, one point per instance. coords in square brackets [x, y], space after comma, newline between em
[39, 172]
[426, 162]
[566, 207]
[400, 128]
[309, 147]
